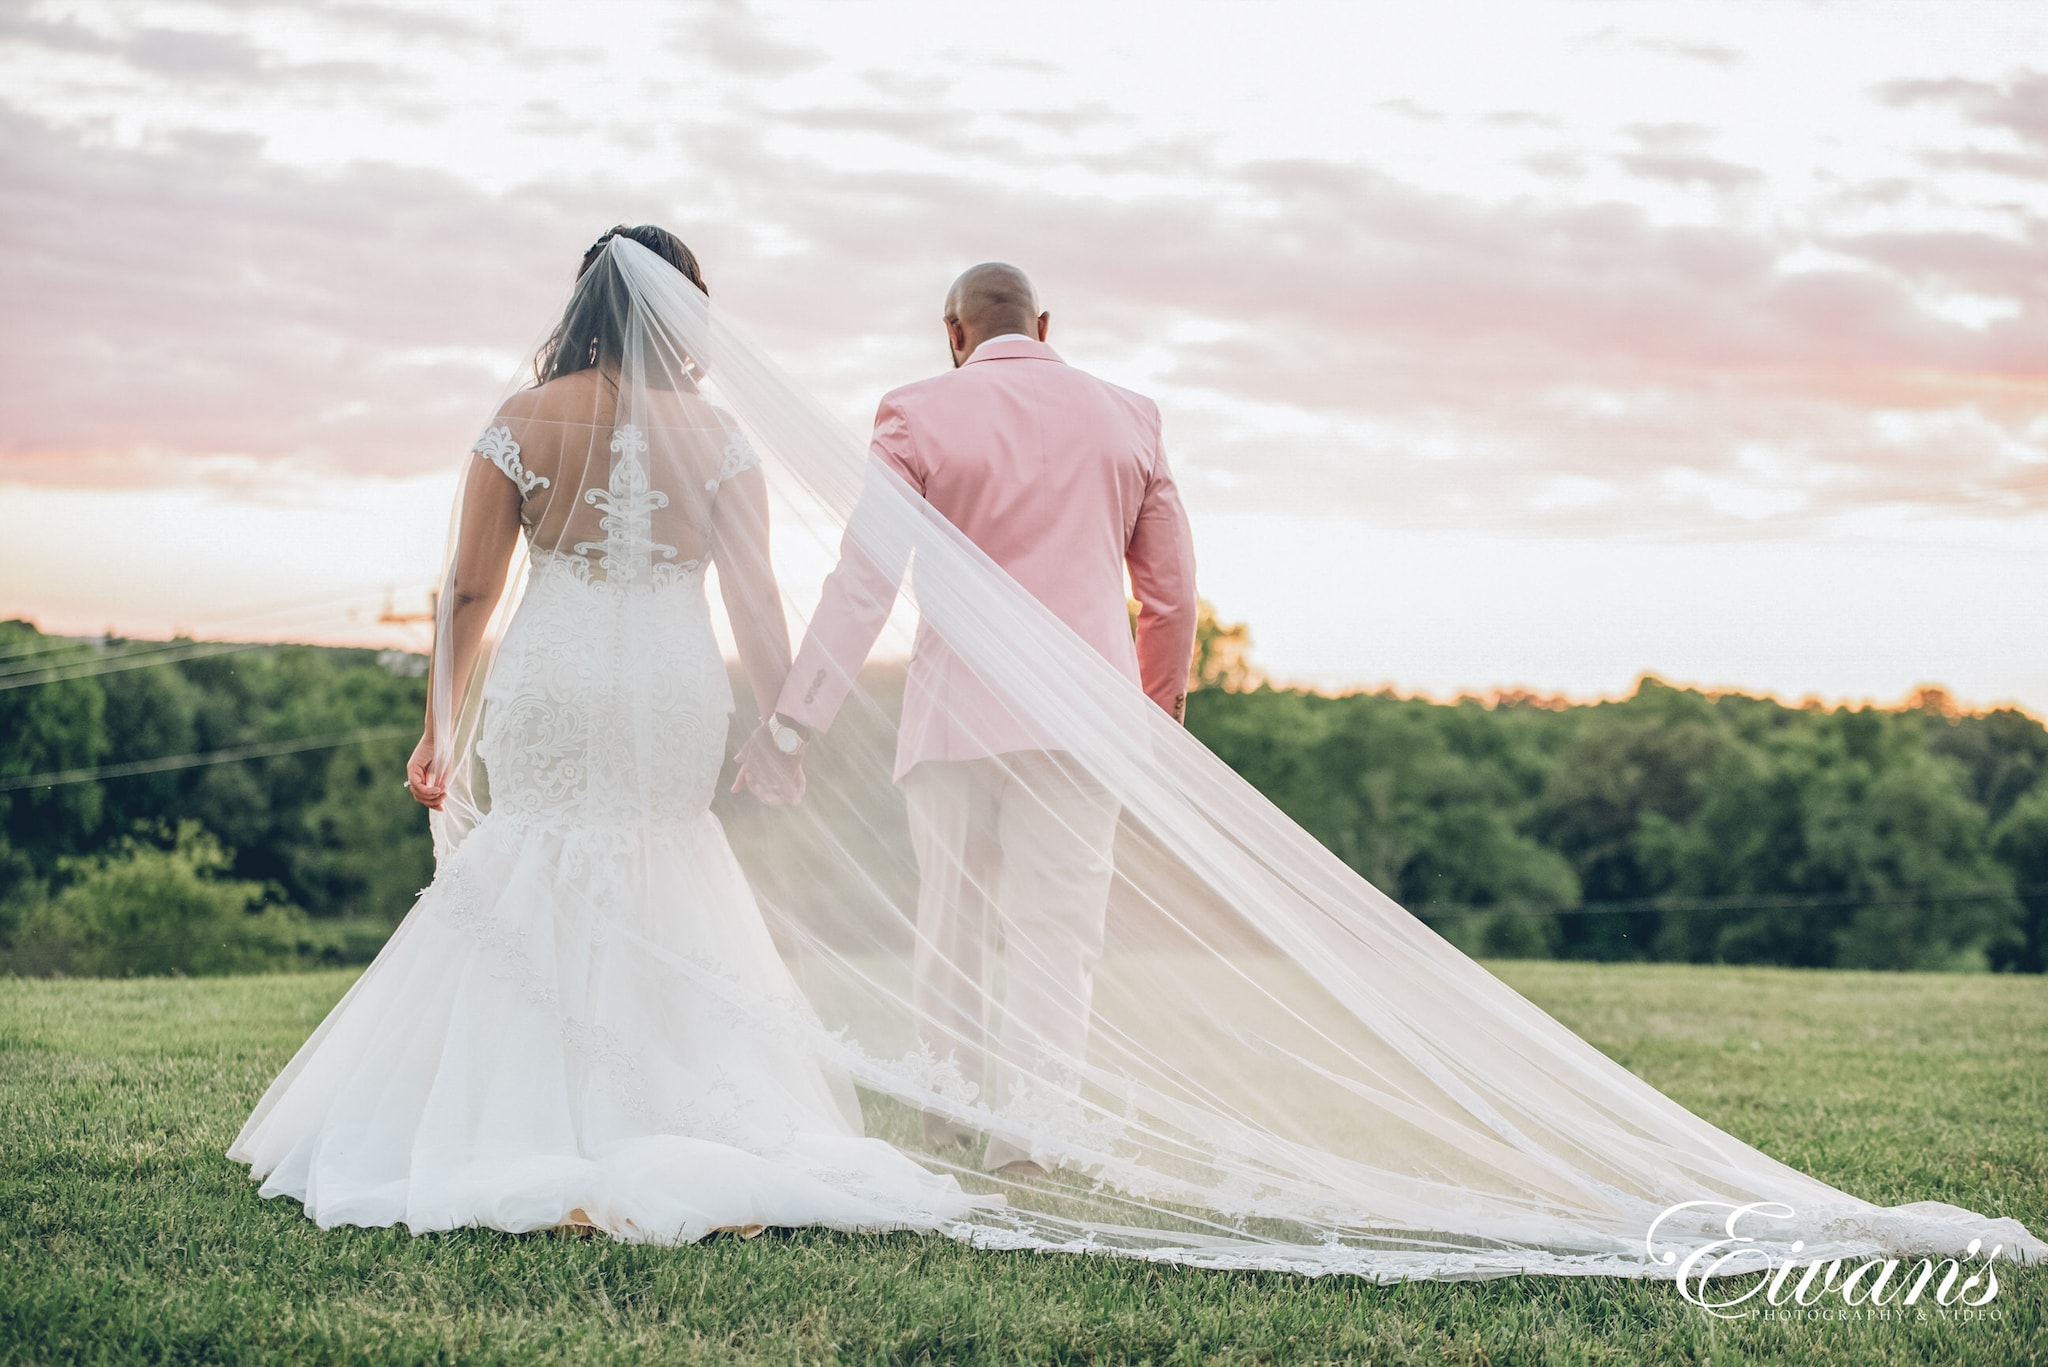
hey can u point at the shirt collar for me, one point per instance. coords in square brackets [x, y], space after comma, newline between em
[1005, 337]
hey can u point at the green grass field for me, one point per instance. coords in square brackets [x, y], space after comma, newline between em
[126, 1235]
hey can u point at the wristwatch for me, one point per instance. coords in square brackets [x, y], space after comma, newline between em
[788, 739]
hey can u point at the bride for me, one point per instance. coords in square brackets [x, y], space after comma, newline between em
[630, 1002]
[526, 1051]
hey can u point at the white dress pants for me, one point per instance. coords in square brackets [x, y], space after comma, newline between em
[1019, 844]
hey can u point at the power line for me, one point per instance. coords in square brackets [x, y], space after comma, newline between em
[1430, 911]
[206, 757]
[176, 653]
[25, 657]
[86, 669]
[31, 674]
[85, 659]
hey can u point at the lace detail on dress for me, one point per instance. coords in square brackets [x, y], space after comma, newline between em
[738, 455]
[497, 447]
[629, 503]
[608, 701]
[577, 567]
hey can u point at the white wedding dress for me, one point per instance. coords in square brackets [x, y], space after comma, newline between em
[568, 1028]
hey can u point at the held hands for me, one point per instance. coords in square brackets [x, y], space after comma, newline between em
[770, 775]
[418, 780]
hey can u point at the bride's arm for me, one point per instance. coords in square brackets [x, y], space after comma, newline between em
[487, 533]
[753, 604]
[746, 581]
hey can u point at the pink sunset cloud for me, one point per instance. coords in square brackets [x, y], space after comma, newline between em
[205, 308]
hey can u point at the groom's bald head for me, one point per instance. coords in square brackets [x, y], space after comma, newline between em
[987, 301]
[995, 295]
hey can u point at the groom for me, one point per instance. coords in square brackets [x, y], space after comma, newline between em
[1061, 479]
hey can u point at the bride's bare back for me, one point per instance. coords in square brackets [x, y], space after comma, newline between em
[561, 443]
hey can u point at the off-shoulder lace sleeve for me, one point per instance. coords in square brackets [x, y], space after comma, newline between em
[739, 455]
[497, 447]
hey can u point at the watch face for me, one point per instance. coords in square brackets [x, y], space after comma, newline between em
[787, 741]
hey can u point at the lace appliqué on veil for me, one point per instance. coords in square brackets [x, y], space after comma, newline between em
[497, 446]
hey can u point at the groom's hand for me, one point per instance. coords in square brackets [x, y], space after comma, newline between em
[771, 776]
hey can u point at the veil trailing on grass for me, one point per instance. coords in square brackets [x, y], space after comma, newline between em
[1263, 1062]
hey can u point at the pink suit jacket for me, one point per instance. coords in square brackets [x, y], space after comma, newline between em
[1061, 479]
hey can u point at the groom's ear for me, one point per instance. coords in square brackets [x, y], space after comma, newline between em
[1044, 325]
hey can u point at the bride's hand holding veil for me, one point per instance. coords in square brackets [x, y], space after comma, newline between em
[419, 780]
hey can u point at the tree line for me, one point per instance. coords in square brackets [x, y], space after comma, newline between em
[1670, 825]
[206, 807]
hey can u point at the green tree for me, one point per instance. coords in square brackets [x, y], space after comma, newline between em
[138, 908]
[1634, 776]
[1426, 802]
[1848, 809]
[150, 714]
[2021, 843]
[2004, 753]
[50, 723]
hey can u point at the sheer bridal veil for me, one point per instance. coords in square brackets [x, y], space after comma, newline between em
[1281, 1067]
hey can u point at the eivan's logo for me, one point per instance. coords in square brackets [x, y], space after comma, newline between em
[1878, 1287]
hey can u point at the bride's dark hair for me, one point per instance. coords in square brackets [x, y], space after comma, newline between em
[589, 332]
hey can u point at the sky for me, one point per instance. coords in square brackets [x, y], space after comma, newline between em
[1500, 345]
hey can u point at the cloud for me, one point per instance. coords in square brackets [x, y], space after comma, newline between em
[1069, 120]
[190, 57]
[1425, 346]
[733, 39]
[2012, 267]
[397, 21]
[1556, 164]
[932, 129]
[907, 85]
[1409, 109]
[1713, 54]
[1683, 169]
[2017, 106]
[1687, 49]
[200, 303]
[185, 54]
[1670, 152]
